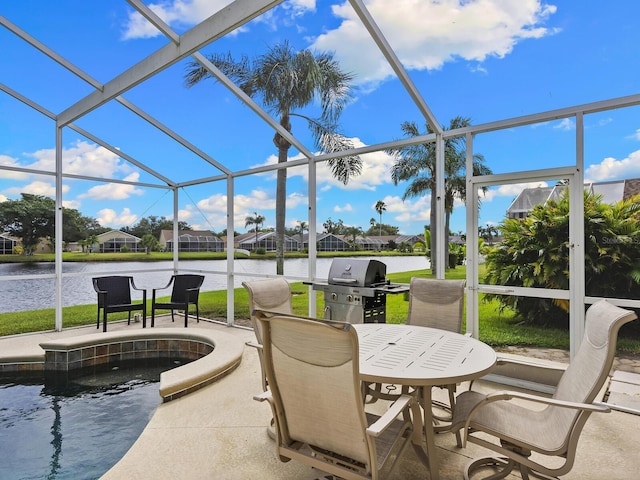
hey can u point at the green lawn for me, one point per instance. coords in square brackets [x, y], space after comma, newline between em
[496, 329]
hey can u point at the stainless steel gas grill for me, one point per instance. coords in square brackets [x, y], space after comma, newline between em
[356, 291]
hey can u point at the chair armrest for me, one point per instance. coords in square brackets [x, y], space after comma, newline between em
[507, 395]
[261, 397]
[166, 286]
[253, 344]
[379, 426]
[133, 285]
[154, 290]
[542, 366]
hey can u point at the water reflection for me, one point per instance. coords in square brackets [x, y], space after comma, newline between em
[38, 293]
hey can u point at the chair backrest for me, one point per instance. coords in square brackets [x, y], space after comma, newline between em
[270, 294]
[312, 370]
[586, 374]
[436, 303]
[118, 288]
[181, 283]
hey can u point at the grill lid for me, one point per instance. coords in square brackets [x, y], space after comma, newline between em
[357, 272]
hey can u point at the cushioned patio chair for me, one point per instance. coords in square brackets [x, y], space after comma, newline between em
[114, 295]
[270, 294]
[436, 304]
[185, 292]
[316, 399]
[514, 425]
[273, 295]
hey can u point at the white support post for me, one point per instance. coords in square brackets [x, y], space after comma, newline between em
[473, 253]
[230, 252]
[176, 240]
[441, 244]
[313, 200]
[576, 241]
[58, 231]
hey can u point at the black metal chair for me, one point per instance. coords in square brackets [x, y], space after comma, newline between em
[114, 295]
[185, 292]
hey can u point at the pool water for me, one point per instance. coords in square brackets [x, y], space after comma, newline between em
[74, 429]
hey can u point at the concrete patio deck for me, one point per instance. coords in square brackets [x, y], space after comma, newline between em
[219, 432]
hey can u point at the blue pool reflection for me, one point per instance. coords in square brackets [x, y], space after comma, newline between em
[74, 429]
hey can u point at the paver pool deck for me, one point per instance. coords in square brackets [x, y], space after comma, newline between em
[219, 431]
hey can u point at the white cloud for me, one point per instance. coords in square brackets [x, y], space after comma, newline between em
[81, 158]
[343, 208]
[258, 200]
[114, 191]
[8, 161]
[174, 13]
[375, 171]
[409, 211]
[71, 204]
[565, 124]
[606, 121]
[181, 14]
[3, 198]
[636, 135]
[612, 169]
[108, 217]
[426, 35]
[37, 187]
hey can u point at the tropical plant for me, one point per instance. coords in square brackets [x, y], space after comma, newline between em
[256, 220]
[417, 164]
[456, 254]
[336, 228]
[150, 243]
[380, 207]
[301, 228]
[534, 252]
[353, 233]
[427, 242]
[404, 247]
[379, 229]
[87, 243]
[287, 81]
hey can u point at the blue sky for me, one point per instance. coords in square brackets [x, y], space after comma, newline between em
[483, 59]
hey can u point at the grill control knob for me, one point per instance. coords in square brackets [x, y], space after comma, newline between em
[334, 296]
[349, 298]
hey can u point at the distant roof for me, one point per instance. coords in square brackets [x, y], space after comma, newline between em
[116, 234]
[167, 235]
[612, 192]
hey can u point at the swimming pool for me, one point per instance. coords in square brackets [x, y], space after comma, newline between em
[75, 428]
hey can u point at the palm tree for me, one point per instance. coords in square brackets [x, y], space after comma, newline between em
[417, 164]
[256, 220]
[287, 81]
[353, 233]
[90, 241]
[380, 207]
[302, 227]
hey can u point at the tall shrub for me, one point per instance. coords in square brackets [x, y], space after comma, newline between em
[534, 252]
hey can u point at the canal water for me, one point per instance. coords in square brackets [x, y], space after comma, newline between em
[37, 293]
